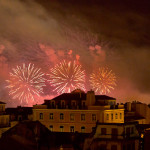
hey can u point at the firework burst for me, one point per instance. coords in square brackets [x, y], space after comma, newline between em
[25, 82]
[103, 80]
[67, 76]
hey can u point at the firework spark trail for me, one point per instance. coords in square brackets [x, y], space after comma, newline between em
[67, 76]
[25, 82]
[103, 80]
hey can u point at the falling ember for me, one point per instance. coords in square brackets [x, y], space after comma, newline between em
[103, 80]
[26, 82]
[67, 76]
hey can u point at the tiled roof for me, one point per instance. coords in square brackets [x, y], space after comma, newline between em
[80, 96]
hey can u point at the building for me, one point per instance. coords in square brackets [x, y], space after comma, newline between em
[78, 111]
[4, 119]
[137, 111]
[19, 113]
[114, 136]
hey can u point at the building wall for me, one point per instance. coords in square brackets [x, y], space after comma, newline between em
[91, 117]
[2, 107]
[114, 116]
[4, 120]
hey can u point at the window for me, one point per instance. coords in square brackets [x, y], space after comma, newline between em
[73, 103]
[93, 117]
[61, 116]
[103, 131]
[41, 116]
[111, 116]
[93, 129]
[71, 117]
[61, 128]
[102, 147]
[128, 131]
[63, 104]
[113, 147]
[51, 127]
[132, 130]
[51, 116]
[107, 116]
[83, 103]
[82, 129]
[120, 115]
[116, 116]
[114, 133]
[82, 117]
[71, 128]
[53, 104]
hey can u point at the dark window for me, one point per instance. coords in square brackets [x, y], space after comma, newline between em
[51, 116]
[63, 104]
[71, 128]
[82, 129]
[93, 129]
[116, 116]
[73, 104]
[83, 104]
[114, 132]
[103, 131]
[107, 116]
[133, 146]
[113, 147]
[51, 127]
[93, 117]
[128, 131]
[82, 117]
[41, 115]
[102, 147]
[120, 115]
[132, 130]
[53, 104]
[124, 147]
[61, 128]
[129, 147]
[111, 116]
[61, 116]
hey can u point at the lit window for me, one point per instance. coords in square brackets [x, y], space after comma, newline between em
[51, 116]
[61, 116]
[82, 129]
[51, 127]
[61, 128]
[41, 116]
[107, 116]
[71, 128]
[72, 117]
[93, 117]
[82, 117]
[116, 116]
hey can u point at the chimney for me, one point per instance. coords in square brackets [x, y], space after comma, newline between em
[128, 106]
[90, 98]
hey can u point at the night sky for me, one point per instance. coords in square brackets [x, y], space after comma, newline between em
[113, 34]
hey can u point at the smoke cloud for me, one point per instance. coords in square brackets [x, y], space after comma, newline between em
[94, 33]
